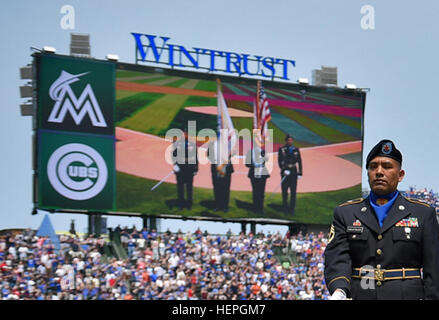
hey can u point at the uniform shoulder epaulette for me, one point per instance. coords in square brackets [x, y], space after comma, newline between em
[417, 201]
[353, 201]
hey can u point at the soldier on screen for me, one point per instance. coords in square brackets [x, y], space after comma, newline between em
[289, 159]
[185, 160]
[258, 175]
[221, 177]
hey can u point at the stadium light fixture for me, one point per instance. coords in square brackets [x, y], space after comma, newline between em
[350, 86]
[26, 109]
[80, 45]
[112, 57]
[49, 49]
[26, 91]
[303, 81]
[26, 73]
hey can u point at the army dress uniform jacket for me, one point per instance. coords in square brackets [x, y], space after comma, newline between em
[213, 166]
[257, 169]
[409, 239]
[185, 155]
[288, 161]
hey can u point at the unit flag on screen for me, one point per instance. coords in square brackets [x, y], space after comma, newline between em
[226, 135]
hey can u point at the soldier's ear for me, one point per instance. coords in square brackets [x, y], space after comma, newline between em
[401, 175]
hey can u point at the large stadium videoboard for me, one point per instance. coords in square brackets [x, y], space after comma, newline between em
[326, 125]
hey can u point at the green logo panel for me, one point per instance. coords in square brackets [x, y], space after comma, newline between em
[76, 94]
[76, 171]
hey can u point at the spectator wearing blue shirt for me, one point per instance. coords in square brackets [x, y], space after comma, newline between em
[31, 263]
[145, 233]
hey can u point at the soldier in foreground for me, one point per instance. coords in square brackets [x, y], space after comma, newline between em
[385, 246]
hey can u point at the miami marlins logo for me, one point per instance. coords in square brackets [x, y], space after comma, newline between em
[66, 101]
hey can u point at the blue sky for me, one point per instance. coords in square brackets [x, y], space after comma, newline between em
[397, 60]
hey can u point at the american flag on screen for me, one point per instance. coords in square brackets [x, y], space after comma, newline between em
[264, 111]
[261, 116]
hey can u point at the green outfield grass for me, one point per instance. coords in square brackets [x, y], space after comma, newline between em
[120, 94]
[279, 135]
[247, 123]
[132, 113]
[328, 133]
[349, 122]
[156, 113]
[277, 95]
[203, 121]
[235, 89]
[355, 157]
[165, 82]
[330, 98]
[189, 84]
[129, 105]
[157, 78]
[156, 116]
[240, 105]
[206, 85]
[178, 83]
[134, 195]
[241, 123]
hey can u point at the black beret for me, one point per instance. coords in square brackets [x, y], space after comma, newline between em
[384, 148]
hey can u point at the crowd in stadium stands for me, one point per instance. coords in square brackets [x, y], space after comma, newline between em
[424, 195]
[162, 266]
[167, 266]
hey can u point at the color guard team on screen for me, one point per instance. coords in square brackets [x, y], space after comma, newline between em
[185, 166]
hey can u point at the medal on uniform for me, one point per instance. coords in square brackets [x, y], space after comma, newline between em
[382, 201]
[407, 231]
[410, 222]
[357, 223]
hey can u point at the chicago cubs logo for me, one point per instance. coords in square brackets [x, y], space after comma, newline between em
[77, 171]
[67, 102]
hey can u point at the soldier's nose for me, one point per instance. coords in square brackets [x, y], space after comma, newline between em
[379, 170]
